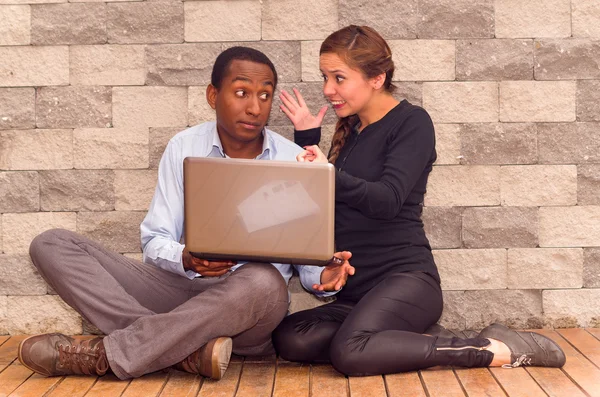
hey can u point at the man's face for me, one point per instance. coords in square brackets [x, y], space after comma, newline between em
[243, 103]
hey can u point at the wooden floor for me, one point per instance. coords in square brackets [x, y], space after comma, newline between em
[268, 377]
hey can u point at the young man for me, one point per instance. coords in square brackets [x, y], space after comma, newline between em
[175, 309]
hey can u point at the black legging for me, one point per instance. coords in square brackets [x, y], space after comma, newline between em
[379, 334]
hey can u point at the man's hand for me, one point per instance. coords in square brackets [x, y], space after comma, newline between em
[334, 275]
[203, 267]
[298, 112]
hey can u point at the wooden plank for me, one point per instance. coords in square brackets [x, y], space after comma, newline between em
[479, 382]
[256, 380]
[441, 382]
[594, 331]
[554, 382]
[579, 368]
[147, 385]
[517, 382]
[366, 386]
[36, 386]
[584, 342]
[225, 387]
[181, 384]
[12, 377]
[4, 339]
[326, 381]
[107, 386]
[292, 380]
[8, 350]
[73, 386]
[406, 384]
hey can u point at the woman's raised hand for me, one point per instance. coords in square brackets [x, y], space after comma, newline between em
[298, 112]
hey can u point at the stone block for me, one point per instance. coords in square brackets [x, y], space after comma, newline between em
[36, 149]
[89, 328]
[310, 60]
[139, 107]
[521, 309]
[567, 59]
[446, 19]
[588, 184]
[222, 20]
[134, 189]
[77, 190]
[443, 226]
[588, 100]
[447, 143]
[301, 299]
[538, 185]
[18, 276]
[468, 269]
[457, 102]
[545, 268]
[536, 101]
[73, 107]
[280, 19]
[3, 315]
[411, 91]
[159, 137]
[570, 308]
[533, 18]
[312, 94]
[182, 64]
[385, 16]
[577, 226]
[24, 66]
[591, 267]
[423, 60]
[17, 108]
[138, 256]
[498, 143]
[572, 143]
[15, 24]
[495, 59]
[18, 230]
[82, 23]
[463, 186]
[285, 55]
[585, 16]
[145, 22]
[41, 314]
[19, 191]
[118, 231]
[199, 111]
[500, 227]
[327, 130]
[110, 148]
[107, 65]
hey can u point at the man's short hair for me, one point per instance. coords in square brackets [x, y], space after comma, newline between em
[221, 66]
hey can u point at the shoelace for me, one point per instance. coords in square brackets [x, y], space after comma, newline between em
[83, 359]
[523, 360]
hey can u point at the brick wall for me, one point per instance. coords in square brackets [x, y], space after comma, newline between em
[90, 92]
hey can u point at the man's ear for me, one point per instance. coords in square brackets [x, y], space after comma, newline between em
[211, 96]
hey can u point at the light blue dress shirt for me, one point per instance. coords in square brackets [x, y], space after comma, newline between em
[162, 228]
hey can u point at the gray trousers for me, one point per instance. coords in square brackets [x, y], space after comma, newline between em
[154, 318]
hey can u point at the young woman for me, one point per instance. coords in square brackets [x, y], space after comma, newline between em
[383, 151]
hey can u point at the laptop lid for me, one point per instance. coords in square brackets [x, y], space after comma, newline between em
[264, 211]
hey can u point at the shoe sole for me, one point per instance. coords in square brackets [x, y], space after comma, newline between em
[221, 354]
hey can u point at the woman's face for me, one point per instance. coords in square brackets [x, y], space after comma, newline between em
[347, 89]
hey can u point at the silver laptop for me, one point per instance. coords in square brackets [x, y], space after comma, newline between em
[262, 211]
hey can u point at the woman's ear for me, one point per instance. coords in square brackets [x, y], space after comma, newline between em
[211, 95]
[378, 81]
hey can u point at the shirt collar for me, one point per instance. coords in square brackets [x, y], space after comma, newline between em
[267, 149]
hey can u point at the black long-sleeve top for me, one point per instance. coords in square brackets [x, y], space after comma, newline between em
[381, 176]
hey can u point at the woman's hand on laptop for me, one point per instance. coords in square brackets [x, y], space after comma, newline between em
[334, 276]
[205, 267]
[312, 154]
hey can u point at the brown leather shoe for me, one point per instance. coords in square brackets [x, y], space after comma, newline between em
[58, 354]
[210, 361]
[526, 348]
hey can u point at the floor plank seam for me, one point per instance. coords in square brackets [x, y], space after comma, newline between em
[578, 351]
[498, 382]
[423, 384]
[464, 390]
[593, 335]
[536, 382]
